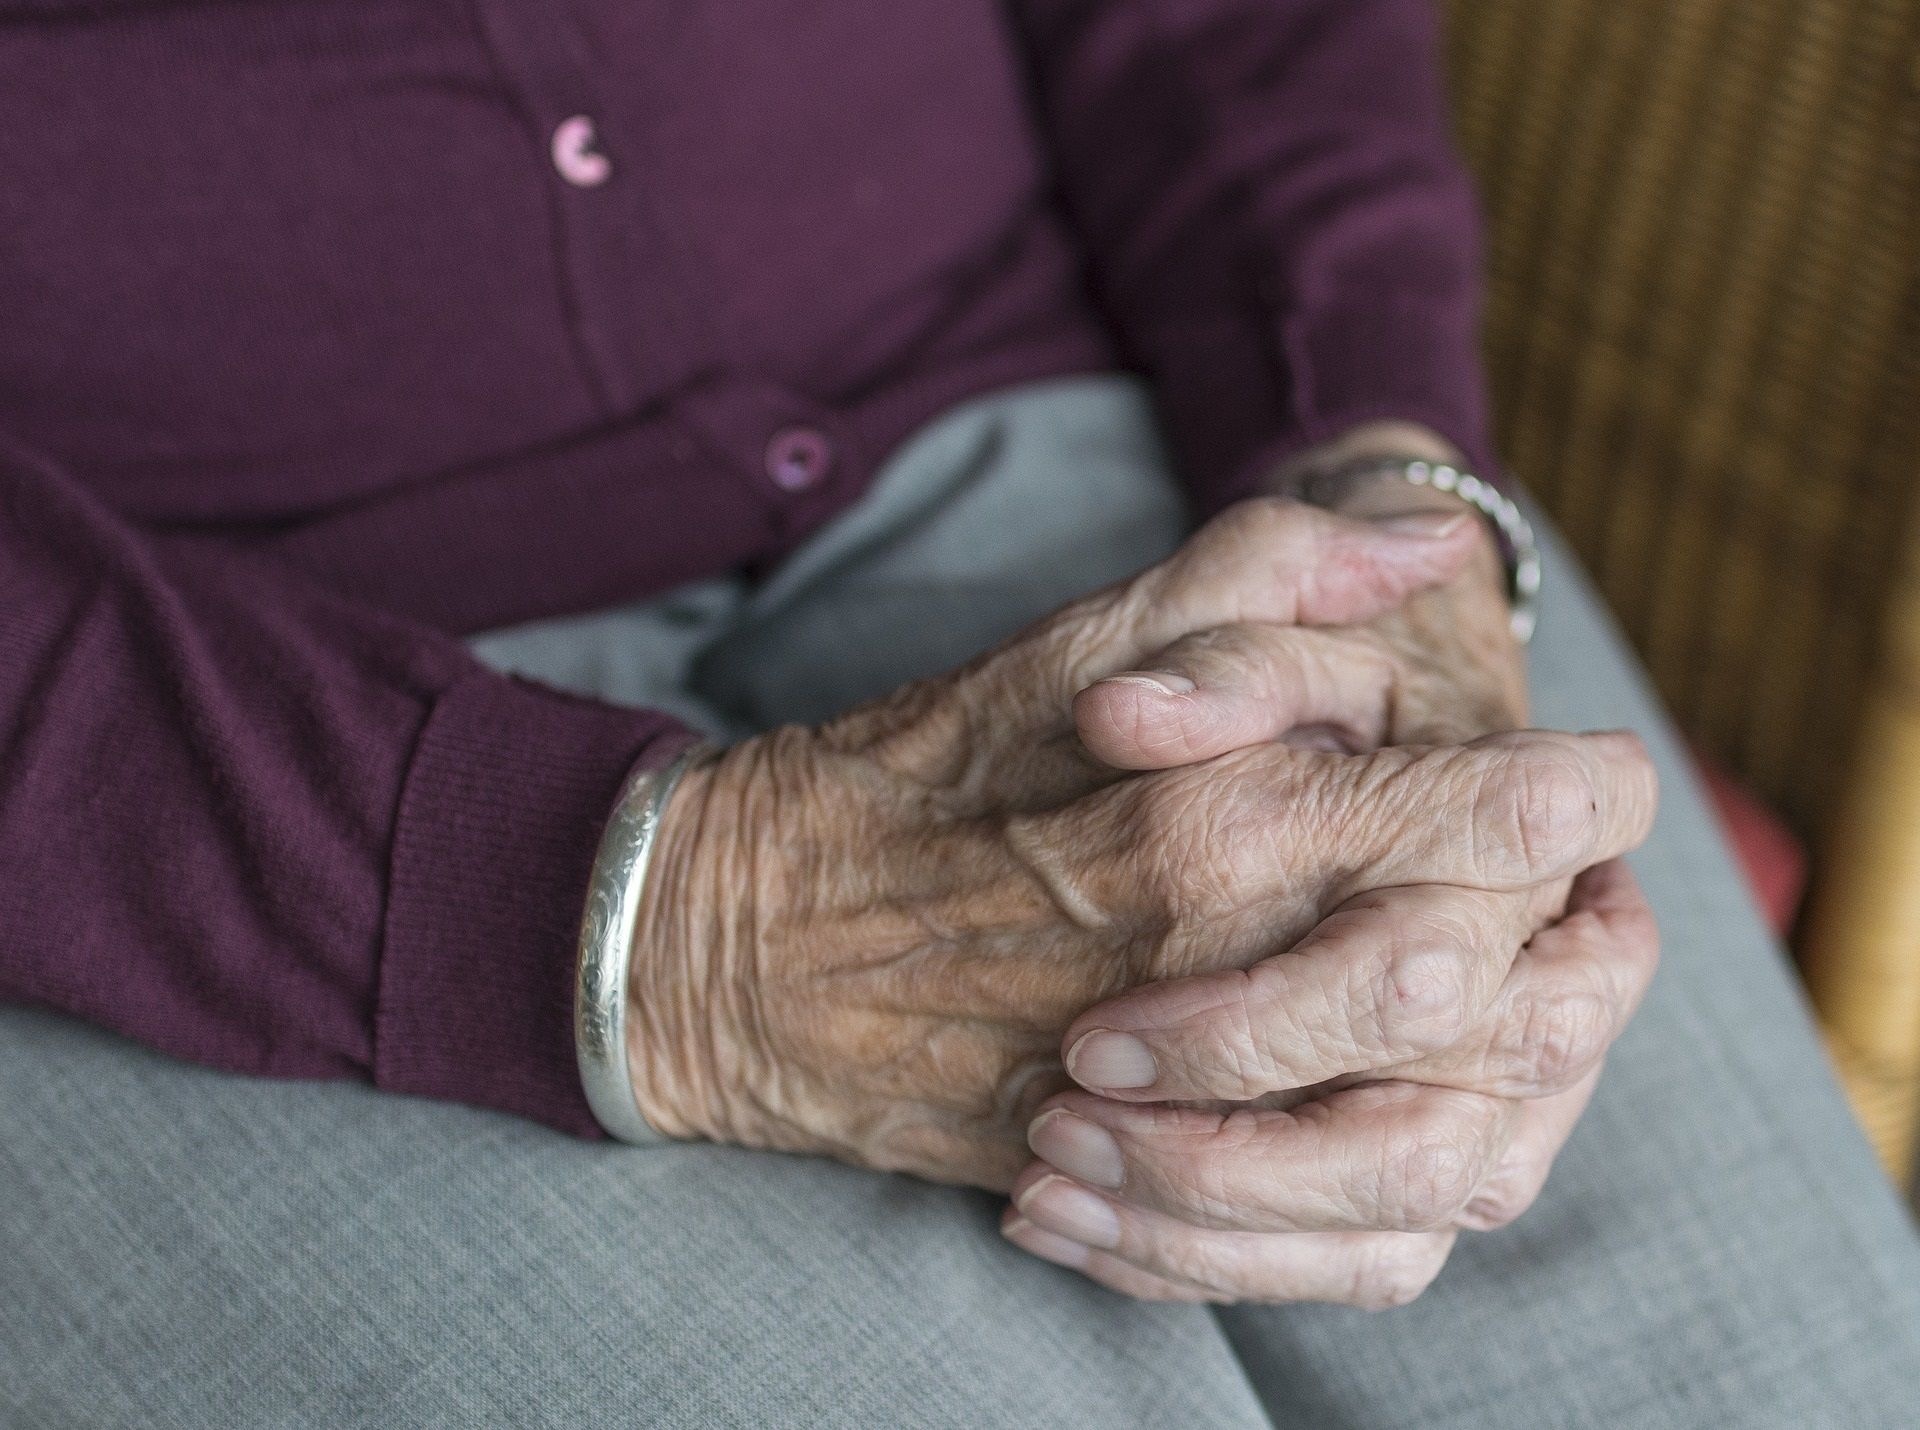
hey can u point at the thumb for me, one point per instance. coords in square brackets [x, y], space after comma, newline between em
[1272, 560]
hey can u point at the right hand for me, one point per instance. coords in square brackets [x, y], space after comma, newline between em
[866, 940]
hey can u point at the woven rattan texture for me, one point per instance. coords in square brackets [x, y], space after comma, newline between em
[1703, 330]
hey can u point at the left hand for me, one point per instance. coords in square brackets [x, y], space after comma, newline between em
[1440, 668]
[1510, 1000]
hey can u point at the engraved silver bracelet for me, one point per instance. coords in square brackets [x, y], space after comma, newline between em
[1519, 551]
[606, 948]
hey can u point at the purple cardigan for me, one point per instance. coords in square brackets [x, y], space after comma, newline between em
[333, 329]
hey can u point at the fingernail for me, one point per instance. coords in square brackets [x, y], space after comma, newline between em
[1104, 1058]
[1430, 524]
[1161, 682]
[1077, 1147]
[1057, 1205]
[1043, 1243]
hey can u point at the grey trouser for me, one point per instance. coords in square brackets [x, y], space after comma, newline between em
[184, 1248]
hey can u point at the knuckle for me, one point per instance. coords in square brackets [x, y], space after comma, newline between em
[1229, 531]
[1262, 519]
[1539, 813]
[1419, 999]
[1263, 530]
[1204, 1261]
[1391, 1274]
[1559, 1036]
[1428, 1181]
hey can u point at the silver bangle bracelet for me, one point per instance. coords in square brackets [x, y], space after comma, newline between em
[1518, 548]
[606, 948]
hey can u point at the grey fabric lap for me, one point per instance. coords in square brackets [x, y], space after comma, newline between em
[179, 1247]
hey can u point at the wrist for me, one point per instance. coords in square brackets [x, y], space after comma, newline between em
[668, 1038]
[601, 999]
[1382, 439]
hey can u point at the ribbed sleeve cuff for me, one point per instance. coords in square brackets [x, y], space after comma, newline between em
[504, 803]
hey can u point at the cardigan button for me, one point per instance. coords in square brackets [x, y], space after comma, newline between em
[577, 156]
[798, 458]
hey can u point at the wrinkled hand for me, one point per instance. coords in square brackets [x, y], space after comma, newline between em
[1408, 1069]
[867, 939]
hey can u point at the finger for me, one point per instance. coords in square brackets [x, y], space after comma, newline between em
[1262, 561]
[1541, 1129]
[1233, 686]
[1507, 811]
[1248, 852]
[1270, 559]
[1266, 827]
[1104, 1267]
[1420, 983]
[1373, 1270]
[1380, 1157]
[1568, 997]
[1387, 979]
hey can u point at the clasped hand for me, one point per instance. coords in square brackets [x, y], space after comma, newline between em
[1190, 916]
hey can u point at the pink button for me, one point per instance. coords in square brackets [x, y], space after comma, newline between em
[577, 156]
[798, 457]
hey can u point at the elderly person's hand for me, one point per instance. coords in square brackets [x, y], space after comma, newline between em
[1441, 667]
[1408, 1067]
[867, 939]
